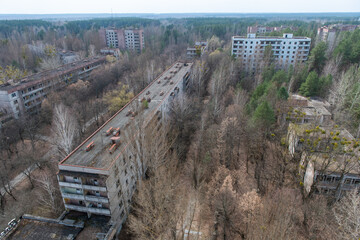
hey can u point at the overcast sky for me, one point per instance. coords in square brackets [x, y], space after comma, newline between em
[175, 6]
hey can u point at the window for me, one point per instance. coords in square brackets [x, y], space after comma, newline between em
[13, 94]
[95, 181]
[16, 101]
[117, 183]
[78, 190]
[127, 182]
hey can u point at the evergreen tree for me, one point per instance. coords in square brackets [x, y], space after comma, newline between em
[264, 114]
[280, 77]
[311, 86]
[317, 57]
[282, 94]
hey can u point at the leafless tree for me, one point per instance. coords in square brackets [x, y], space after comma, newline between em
[49, 197]
[64, 130]
[347, 212]
[158, 210]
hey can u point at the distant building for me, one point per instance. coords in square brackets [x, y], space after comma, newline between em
[287, 50]
[67, 57]
[261, 30]
[197, 51]
[26, 95]
[129, 39]
[111, 51]
[330, 33]
[100, 175]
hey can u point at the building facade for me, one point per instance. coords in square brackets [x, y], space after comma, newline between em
[330, 34]
[27, 95]
[129, 39]
[99, 176]
[197, 51]
[261, 30]
[287, 50]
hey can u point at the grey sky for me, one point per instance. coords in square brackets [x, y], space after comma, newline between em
[175, 6]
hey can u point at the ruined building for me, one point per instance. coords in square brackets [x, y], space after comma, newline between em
[100, 175]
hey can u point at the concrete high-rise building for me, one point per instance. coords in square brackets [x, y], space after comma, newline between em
[330, 34]
[287, 50]
[129, 39]
[26, 95]
[100, 175]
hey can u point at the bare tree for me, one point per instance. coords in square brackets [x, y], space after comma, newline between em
[64, 130]
[49, 197]
[158, 210]
[347, 212]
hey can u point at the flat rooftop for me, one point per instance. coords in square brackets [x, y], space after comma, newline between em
[29, 229]
[99, 157]
[49, 74]
[268, 37]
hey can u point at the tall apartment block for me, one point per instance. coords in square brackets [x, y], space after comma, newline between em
[330, 33]
[100, 175]
[287, 50]
[123, 39]
[26, 95]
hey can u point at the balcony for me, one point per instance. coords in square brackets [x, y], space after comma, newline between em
[86, 187]
[94, 198]
[100, 211]
[73, 196]
[69, 184]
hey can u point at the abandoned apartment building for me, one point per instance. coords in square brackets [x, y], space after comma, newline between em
[123, 39]
[287, 50]
[26, 95]
[329, 172]
[100, 175]
[197, 50]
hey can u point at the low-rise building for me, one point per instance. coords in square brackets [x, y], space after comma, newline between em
[329, 154]
[333, 175]
[30, 227]
[26, 95]
[264, 29]
[197, 51]
[100, 175]
[287, 50]
[111, 51]
[303, 110]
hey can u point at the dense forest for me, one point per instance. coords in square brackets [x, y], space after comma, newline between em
[228, 173]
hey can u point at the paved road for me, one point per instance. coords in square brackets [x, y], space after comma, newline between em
[18, 179]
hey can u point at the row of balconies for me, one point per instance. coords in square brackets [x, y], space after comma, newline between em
[82, 186]
[91, 198]
[80, 208]
[271, 42]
